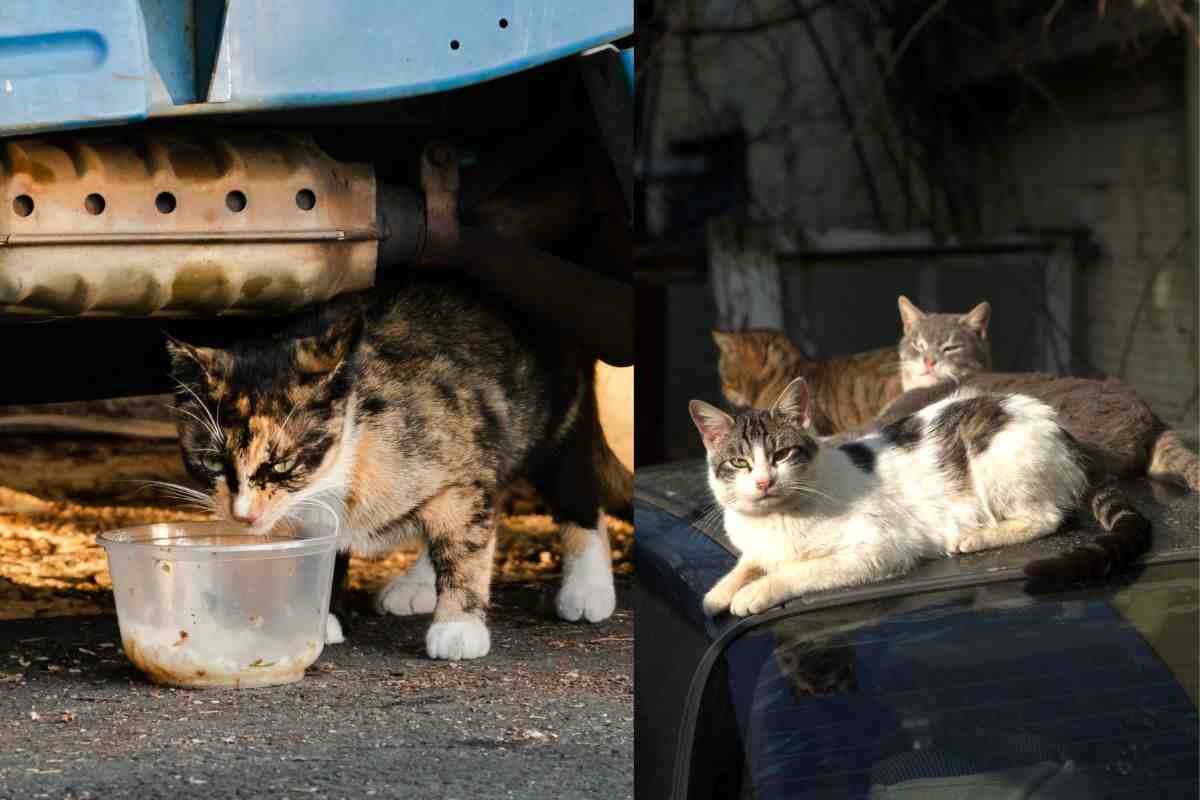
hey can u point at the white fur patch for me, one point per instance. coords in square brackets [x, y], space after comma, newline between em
[333, 629]
[241, 504]
[414, 592]
[587, 591]
[458, 640]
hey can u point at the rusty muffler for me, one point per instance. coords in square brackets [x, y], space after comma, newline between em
[167, 224]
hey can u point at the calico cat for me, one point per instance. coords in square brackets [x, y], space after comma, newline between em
[849, 391]
[402, 412]
[969, 472]
[1106, 416]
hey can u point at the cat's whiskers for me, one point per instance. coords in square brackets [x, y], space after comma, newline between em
[176, 491]
[809, 489]
[321, 496]
[711, 513]
[321, 505]
[212, 423]
[283, 426]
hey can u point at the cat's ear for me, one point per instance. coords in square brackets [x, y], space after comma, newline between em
[724, 340]
[977, 319]
[184, 356]
[324, 352]
[713, 423]
[794, 402]
[909, 314]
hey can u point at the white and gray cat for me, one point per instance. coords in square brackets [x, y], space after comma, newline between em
[969, 472]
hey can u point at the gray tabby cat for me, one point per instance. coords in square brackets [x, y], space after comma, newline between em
[969, 472]
[938, 347]
[402, 413]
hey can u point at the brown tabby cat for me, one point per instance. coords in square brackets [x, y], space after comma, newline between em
[756, 366]
[849, 391]
[1107, 417]
[401, 413]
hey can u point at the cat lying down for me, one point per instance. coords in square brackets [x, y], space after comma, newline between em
[968, 472]
[937, 354]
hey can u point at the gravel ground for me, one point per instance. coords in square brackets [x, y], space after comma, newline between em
[548, 713]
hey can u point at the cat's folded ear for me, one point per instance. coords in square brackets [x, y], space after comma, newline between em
[909, 314]
[324, 352]
[793, 402]
[713, 423]
[977, 319]
[184, 355]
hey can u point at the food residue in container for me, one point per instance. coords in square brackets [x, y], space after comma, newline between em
[182, 662]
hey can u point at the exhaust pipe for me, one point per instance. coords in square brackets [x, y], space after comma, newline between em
[170, 225]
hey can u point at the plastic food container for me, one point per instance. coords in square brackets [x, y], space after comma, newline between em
[203, 604]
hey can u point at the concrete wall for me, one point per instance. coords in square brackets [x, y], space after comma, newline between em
[1110, 156]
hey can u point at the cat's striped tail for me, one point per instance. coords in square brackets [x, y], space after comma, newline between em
[1126, 536]
[1173, 460]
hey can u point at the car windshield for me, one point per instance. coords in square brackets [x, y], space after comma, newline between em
[970, 693]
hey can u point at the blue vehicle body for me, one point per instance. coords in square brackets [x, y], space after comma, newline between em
[66, 64]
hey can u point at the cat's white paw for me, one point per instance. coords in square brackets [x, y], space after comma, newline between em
[405, 595]
[971, 543]
[587, 591]
[964, 545]
[754, 598]
[461, 639]
[333, 629]
[593, 600]
[715, 602]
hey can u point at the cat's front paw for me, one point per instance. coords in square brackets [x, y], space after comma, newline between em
[333, 629]
[755, 597]
[593, 600]
[405, 595]
[971, 543]
[458, 640]
[715, 602]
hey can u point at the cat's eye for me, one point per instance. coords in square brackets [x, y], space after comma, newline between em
[784, 454]
[952, 348]
[283, 467]
[213, 463]
[739, 463]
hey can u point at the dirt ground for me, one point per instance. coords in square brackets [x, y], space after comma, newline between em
[60, 491]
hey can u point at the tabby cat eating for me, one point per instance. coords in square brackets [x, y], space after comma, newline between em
[400, 414]
[969, 472]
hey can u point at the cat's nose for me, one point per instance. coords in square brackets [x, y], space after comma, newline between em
[929, 362]
[763, 484]
[242, 510]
